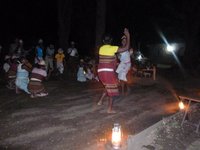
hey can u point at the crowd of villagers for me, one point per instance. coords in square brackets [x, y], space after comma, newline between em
[28, 70]
[111, 69]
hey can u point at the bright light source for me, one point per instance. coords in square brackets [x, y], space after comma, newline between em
[116, 136]
[181, 105]
[139, 57]
[170, 48]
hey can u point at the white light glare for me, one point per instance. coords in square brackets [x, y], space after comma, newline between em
[170, 48]
[181, 105]
[139, 57]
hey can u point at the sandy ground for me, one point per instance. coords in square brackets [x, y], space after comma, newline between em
[69, 119]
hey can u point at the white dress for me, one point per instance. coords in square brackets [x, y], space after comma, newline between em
[124, 66]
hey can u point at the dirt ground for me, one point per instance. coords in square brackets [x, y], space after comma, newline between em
[171, 135]
[69, 119]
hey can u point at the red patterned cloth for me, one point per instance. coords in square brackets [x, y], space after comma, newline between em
[107, 75]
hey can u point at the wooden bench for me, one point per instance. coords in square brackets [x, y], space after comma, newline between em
[147, 72]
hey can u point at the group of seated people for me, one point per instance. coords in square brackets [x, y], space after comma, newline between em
[21, 75]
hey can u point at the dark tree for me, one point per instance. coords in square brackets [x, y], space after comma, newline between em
[64, 21]
[191, 14]
[100, 21]
[185, 15]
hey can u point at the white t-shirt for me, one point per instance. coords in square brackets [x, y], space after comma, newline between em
[72, 52]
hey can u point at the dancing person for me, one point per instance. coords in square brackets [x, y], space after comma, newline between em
[22, 77]
[106, 68]
[38, 75]
[124, 66]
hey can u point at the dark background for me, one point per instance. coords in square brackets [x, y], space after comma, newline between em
[31, 20]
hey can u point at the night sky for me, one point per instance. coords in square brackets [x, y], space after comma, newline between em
[31, 20]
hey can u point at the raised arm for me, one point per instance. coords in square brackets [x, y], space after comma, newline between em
[127, 45]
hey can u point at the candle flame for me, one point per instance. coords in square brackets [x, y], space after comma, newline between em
[181, 105]
[116, 137]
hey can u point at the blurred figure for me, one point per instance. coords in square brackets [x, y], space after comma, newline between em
[81, 74]
[13, 46]
[93, 68]
[11, 75]
[6, 65]
[22, 78]
[49, 59]
[72, 61]
[39, 51]
[1, 51]
[20, 49]
[60, 58]
[1, 58]
[38, 75]
[72, 51]
[89, 75]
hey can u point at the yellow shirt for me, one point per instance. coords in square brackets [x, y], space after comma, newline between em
[108, 50]
[59, 57]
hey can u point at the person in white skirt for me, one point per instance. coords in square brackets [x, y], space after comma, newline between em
[124, 66]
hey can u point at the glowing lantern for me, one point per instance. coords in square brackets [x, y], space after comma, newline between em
[116, 136]
[181, 105]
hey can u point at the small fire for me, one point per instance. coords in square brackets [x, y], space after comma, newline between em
[181, 105]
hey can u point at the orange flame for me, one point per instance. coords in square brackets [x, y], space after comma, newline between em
[181, 105]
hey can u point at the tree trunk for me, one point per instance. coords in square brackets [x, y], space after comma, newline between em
[192, 29]
[100, 21]
[64, 22]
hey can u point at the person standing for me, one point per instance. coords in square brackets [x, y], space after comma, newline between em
[19, 52]
[49, 59]
[60, 58]
[106, 68]
[39, 51]
[73, 55]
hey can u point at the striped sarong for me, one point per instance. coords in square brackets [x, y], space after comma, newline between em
[36, 87]
[107, 75]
